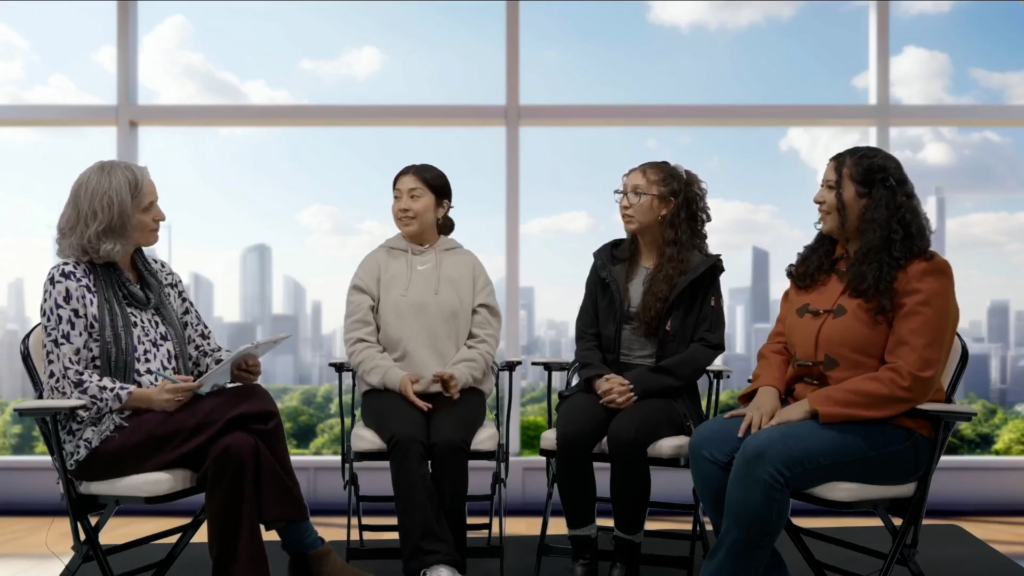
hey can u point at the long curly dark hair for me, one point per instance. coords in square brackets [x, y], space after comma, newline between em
[684, 233]
[893, 232]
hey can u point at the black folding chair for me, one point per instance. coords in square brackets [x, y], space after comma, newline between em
[84, 499]
[907, 501]
[490, 445]
[669, 452]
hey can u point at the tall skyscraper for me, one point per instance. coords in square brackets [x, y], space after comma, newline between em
[528, 304]
[200, 290]
[294, 304]
[760, 287]
[997, 323]
[282, 364]
[939, 233]
[975, 329]
[316, 343]
[1018, 330]
[737, 321]
[16, 316]
[257, 287]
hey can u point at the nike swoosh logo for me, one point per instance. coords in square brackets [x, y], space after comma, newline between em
[422, 267]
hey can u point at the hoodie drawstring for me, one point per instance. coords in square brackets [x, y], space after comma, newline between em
[408, 270]
[437, 271]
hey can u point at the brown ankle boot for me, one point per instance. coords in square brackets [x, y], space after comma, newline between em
[323, 562]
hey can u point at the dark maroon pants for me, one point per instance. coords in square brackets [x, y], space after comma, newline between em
[234, 440]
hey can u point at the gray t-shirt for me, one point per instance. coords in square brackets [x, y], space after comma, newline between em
[636, 348]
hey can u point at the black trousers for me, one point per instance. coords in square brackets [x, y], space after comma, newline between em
[429, 455]
[234, 439]
[582, 423]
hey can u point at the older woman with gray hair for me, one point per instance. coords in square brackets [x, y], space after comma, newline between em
[115, 321]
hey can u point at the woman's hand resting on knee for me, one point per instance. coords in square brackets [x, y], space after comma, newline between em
[410, 388]
[615, 391]
[760, 411]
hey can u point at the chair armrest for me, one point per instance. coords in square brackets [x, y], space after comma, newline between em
[552, 364]
[511, 364]
[951, 412]
[340, 366]
[47, 408]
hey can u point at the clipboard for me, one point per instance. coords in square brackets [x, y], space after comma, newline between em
[221, 374]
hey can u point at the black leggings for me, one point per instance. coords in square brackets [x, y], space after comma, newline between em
[582, 423]
[430, 502]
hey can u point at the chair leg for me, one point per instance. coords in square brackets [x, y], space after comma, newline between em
[183, 540]
[547, 516]
[92, 542]
[897, 549]
[804, 549]
[348, 525]
[359, 509]
[490, 507]
[695, 533]
[501, 528]
[75, 563]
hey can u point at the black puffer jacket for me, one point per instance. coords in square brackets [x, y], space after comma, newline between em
[694, 334]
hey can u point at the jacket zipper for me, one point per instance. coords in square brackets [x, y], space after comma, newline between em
[605, 273]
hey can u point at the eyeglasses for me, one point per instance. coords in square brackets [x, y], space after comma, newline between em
[633, 197]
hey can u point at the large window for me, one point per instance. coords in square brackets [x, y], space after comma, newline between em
[956, 53]
[273, 129]
[693, 52]
[321, 52]
[56, 52]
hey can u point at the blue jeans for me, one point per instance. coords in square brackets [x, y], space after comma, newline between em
[744, 484]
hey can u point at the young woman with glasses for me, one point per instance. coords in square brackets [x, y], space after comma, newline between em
[651, 322]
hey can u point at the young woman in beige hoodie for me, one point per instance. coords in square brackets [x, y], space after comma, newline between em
[421, 329]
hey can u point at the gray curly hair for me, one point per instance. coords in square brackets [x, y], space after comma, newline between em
[96, 222]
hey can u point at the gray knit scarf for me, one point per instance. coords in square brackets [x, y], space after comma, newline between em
[116, 292]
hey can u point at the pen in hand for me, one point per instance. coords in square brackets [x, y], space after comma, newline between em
[167, 376]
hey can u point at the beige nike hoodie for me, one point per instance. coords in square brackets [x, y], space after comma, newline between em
[416, 310]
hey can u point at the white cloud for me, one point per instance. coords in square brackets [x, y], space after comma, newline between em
[732, 15]
[919, 76]
[987, 231]
[736, 226]
[577, 222]
[331, 233]
[1010, 83]
[359, 63]
[910, 8]
[15, 54]
[980, 162]
[651, 144]
[106, 57]
[815, 146]
[180, 75]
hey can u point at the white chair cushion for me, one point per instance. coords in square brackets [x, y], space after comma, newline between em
[671, 447]
[145, 485]
[853, 492]
[366, 440]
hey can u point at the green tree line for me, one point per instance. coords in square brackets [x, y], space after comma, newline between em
[312, 423]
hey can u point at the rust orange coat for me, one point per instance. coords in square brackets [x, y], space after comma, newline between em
[828, 348]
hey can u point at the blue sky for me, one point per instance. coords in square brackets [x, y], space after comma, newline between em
[320, 196]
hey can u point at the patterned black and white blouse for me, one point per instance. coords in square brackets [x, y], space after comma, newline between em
[71, 350]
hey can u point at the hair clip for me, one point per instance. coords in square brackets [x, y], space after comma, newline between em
[890, 182]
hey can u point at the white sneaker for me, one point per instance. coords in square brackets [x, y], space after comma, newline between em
[440, 570]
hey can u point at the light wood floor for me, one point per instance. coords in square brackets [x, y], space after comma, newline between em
[38, 546]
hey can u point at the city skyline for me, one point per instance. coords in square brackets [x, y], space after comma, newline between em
[319, 195]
